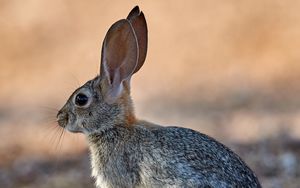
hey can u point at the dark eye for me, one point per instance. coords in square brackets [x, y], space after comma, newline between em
[81, 99]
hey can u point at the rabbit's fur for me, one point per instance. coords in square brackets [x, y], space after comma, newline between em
[126, 152]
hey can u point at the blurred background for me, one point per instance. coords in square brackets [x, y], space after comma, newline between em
[230, 69]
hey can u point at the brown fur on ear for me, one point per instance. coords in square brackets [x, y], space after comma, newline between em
[139, 24]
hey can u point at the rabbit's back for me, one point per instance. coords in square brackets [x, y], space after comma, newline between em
[182, 157]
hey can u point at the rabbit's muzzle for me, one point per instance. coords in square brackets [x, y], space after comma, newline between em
[62, 118]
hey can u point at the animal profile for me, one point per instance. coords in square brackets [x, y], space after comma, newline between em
[127, 152]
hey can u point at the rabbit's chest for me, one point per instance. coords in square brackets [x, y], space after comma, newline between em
[101, 182]
[112, 171]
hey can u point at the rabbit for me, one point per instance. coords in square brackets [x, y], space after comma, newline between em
[127, 152]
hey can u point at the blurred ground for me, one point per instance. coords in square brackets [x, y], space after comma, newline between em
[229, 69]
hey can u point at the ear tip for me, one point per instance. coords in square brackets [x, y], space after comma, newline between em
[134, 12]
[137, 8]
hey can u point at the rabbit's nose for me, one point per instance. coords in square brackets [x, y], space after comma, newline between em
[62, 118]
[58, 114]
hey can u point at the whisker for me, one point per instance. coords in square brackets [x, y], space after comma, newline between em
[48, 108]
[59, 139]
[58, 146]
[53, 139]
[63, 135]
[49, 119]
[56, 136]
[52, 126]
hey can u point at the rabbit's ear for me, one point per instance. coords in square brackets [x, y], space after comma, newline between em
[119, 57]
[138, 22]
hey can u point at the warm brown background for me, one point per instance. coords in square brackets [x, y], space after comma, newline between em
[230, 69]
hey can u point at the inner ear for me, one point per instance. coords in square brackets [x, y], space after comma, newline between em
[119, 56]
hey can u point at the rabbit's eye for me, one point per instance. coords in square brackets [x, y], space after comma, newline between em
[81, 99]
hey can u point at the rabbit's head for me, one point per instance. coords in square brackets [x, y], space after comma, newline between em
[104, 101]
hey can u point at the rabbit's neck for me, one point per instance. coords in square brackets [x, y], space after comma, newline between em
[105, 147]
[120, 113]
[103, 142]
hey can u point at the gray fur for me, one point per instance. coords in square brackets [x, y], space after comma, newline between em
[166, 157]
[126, 152]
